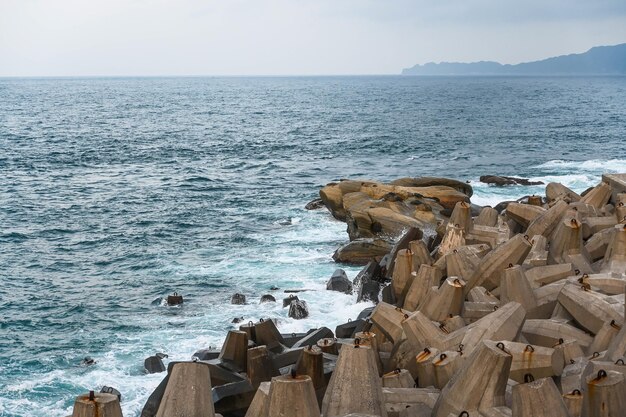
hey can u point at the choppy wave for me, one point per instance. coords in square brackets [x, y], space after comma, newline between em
[118, 192]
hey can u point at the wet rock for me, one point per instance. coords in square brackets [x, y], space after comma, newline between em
[238, 298]
[268, 298]
[88, 361]
[298, 310]
[314, 204]
[463, 187]
[274, 288]
[502, 181]
[339, 282]
[154, 365]
[174, 299]
[237, 320]
[287, 301]
[362, 251]
[161, 355]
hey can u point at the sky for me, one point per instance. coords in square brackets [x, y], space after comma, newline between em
[291, 37]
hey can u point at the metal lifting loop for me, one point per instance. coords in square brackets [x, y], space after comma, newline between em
[464, 414]
[443, 356]
[576, 271]
[500, 346]
[619, 362]
[576, 392]
[595, 355]
[528, 378]
[601, 374]
[529, 348]
[426, 350]
[250, 324]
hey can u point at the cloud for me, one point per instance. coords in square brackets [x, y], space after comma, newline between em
[189, 37]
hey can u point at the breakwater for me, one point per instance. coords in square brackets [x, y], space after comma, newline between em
[516, 309]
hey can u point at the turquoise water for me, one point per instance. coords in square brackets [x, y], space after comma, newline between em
[116, 192]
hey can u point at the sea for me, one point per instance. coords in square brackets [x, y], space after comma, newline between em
[115, 192]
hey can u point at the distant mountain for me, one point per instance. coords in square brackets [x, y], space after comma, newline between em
[600, 60]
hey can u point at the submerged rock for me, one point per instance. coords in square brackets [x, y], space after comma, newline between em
[153, 365]
[298, 310]
[314, 204]
[502, 181]
[88, 361]
[238, 298]
[339, 282]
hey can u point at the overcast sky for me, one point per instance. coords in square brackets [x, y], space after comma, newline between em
[283, 37]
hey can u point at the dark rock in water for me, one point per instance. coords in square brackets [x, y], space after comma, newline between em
[502, 181]
[174, 299]
[287, 301]
[161, 355]
[238, 298]
[111, 390]
[157, 301]
[361, 251]
[286, 222]
[206, 354]
[314, 204]
[88, 361]
[339, 282]
[298, 310]
[274, 288]
[237, 320]
[154, 365]
[268, 298]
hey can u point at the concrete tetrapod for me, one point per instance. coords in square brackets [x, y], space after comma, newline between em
[615, 256]
[426, 277]
[566, 245]
[235, 349]
[355, 386]
[514, 286]
[589, 308]
[400, 378]
[260, 403]
[292, 395]
[488, 273]
[538, 361]
[539, 398]
[389, 320]
[97, 405]
[311, 363]
[606, 395]
[488, 216]
[188, 392]
[480, 385]
[545, 223]
[402, 273]
[444, 301]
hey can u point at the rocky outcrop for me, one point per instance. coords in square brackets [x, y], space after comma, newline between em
[361, 251]
[502, 181]
[377, 210]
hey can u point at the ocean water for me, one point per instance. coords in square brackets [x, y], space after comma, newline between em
[115, 192]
